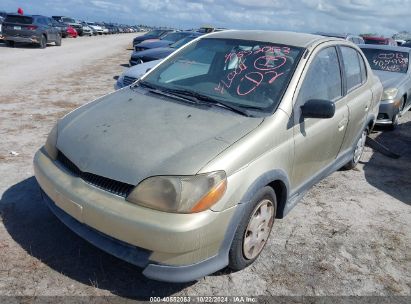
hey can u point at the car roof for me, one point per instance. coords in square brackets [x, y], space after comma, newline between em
[385, 47]
[281, 37]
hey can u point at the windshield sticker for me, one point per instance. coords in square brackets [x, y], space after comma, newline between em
[252, 68]
[391, 62]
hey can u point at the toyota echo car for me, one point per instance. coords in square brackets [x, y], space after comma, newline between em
[184, 172]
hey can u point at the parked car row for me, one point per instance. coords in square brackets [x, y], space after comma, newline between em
[41, 30]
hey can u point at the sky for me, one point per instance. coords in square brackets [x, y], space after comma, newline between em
[385, 17]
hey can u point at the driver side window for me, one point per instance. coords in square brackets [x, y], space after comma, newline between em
[323, 79]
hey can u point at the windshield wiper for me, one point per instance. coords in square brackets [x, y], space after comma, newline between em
[160, 91]
[205, 99]
[192, 97]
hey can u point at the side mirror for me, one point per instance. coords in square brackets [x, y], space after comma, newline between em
[148, 70]
[317, 108]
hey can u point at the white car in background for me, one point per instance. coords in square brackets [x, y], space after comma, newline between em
[96, 28]
[134, 73]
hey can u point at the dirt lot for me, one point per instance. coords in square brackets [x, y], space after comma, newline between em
[351, 235]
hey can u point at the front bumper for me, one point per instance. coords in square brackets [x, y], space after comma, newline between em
[387, 111]
[20, 39]
[135, 61]
[171, 247]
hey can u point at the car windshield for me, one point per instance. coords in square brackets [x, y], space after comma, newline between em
[181, 42]
[175, 36]
[155, 33]
[19, 19]
[387, 60]
[242, 73]
[69, 20]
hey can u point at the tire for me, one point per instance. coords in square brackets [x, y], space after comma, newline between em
[358, 150]
[58, 41]
[10, 43]
[395, 119]
[241, 252]
[43, 42]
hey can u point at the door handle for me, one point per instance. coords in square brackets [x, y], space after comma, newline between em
[342, 124]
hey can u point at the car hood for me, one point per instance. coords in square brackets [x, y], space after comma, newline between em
[154, 53]
[146, 38]
[140, 69]
[390, 79]
[132, 134]
[154, 44]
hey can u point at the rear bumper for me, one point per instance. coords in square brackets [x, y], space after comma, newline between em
[170, 247]
[19, 39]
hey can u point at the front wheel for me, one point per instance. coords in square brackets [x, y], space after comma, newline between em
[254, 229]
[58, 41]
[358, 150]
[43, 42]
[10, 43]
[396, 118]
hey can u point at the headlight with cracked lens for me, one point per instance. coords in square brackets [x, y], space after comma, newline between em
[180, 194]
[389, 93]
[51, 143]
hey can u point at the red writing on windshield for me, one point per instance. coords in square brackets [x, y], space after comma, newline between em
[258, 69]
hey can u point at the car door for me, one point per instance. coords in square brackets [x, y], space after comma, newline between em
[358, 95]
[52, 29]
[408, 83]
[318, 141]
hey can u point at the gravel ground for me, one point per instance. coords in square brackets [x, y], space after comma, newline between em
[350, 236]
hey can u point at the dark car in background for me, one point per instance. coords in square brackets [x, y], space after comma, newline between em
[70, 21]
[165, 41]
[61, 26]
[392, 65]
[33, 29]
[407, 44]
[154, 34]
[2, 17]
[159, 53]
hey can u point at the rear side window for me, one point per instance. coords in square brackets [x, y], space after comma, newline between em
[363, 68]
[323, 79]
[352, 67]
[42, 20]
[19, 19]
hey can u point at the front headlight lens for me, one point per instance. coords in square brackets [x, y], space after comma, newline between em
[180, 194]
[51, 143]
[120, 81]
[389, 93]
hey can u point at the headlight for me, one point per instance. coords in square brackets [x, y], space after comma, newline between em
[51, 143]
[180, 194]
[120, 81]
[389, 93]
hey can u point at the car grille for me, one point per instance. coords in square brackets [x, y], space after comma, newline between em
[107, 184]
[128, 80]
